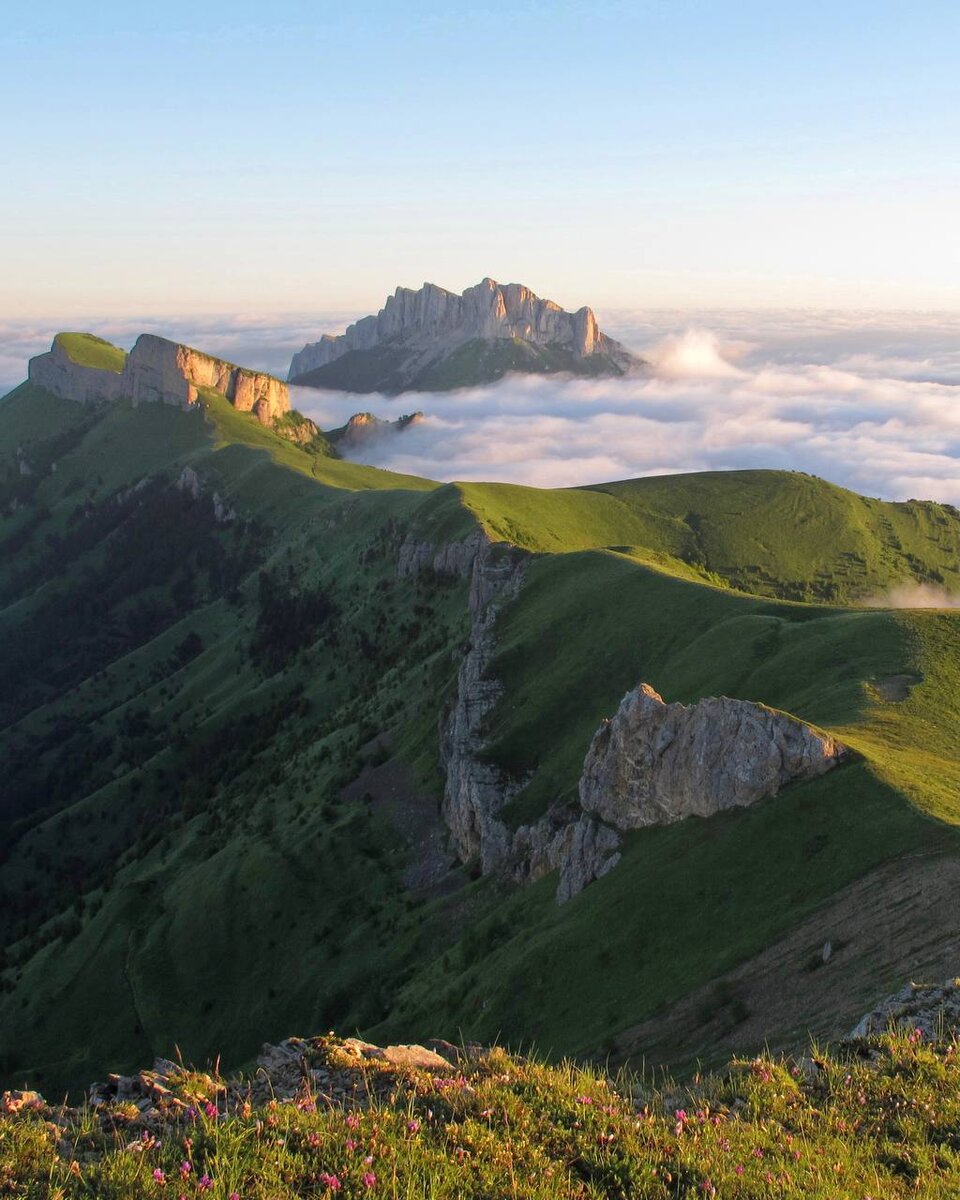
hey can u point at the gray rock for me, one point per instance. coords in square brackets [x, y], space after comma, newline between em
[934, 1009]
[655, 763]
[432, 322]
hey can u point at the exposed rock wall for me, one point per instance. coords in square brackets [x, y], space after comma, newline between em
[160, 371]
[57, 373]
[655, 763]
[652, 764]
[578, 845]
[434, 317]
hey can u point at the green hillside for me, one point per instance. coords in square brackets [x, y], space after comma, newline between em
[220, 817]
[396, 368]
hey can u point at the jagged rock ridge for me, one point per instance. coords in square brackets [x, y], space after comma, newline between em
[406, 344]
[158, 370]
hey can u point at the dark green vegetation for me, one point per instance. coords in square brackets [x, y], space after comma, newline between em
[862, 1120]
[388, 368]
[219, 737]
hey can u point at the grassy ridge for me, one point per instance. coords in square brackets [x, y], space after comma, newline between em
[776, 533]
[188, 748]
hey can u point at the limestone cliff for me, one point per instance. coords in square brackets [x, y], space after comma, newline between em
[161, 371]
[60, 374]
[435, 338]
[654, 763]
[572, 842]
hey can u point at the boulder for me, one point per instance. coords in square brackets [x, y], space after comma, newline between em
[654, 763]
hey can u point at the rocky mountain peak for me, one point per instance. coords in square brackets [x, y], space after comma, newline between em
[420, 328]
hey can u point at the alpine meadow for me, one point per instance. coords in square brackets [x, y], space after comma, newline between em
[458, 744]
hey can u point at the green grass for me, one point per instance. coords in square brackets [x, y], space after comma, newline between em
[87, 350]
[838, 1126]
[775, 533]
[187, 860]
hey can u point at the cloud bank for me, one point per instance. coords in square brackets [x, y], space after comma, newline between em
[707, 404]
[868, 400]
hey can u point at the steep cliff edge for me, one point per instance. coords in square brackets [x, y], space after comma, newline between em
[432, 338]
[156, 370]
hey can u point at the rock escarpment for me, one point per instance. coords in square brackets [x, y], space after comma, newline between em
[58, 373]
[476, 790]
[655, 763]
[160, 371]
[416, 330]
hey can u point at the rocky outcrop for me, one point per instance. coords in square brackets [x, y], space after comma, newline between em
[160, 371]
[164, 371]
[431, 323]
[57, 373]
[655, 763]
[190, 482]
[476, 790]
[931, 1009]
[363, 428]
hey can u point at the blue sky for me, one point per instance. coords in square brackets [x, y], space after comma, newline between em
[215, 157]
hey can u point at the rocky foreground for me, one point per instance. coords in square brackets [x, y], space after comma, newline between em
[326, 1116]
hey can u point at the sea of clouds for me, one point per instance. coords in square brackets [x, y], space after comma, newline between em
[868, 400]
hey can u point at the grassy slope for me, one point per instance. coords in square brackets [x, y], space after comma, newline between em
[157, 939]
[873, 1119]
[777, 533]
[387, 368]
[208, 889]
[88, 350]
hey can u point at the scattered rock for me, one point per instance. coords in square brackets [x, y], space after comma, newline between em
[933, 1009]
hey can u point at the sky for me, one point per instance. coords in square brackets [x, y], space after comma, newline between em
[240, 160]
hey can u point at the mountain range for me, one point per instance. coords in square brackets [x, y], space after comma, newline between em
[432, 339]
[290, 743]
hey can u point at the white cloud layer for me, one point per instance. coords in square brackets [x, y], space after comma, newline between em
[868, 400]
[882, 429]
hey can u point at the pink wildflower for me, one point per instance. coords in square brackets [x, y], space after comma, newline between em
[413, 1125]
[353, 1121]
[369, 1179]
[204, 1183]
[332, 1182]
[185, 1169]
[351, 1145]
[159, 1176]
[211, 1110]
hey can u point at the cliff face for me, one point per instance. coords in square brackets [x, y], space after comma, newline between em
[160, 371]
[430, 324]
[57, 373]
[652, 764]
[655, 763]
